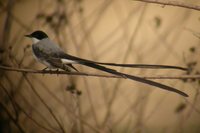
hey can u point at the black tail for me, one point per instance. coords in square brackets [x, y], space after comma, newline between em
[142, 80]
[145, 66]
[84, 61]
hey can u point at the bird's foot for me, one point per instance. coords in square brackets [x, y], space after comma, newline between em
[57, 71]
[67, 69]
[45, 69]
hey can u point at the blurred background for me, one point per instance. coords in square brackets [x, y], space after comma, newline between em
[106, 31]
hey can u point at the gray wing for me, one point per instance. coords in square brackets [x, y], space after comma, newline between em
[54, 50]
[49, 52]
[53, 54]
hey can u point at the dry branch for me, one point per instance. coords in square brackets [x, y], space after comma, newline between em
[173, 3]
[6, 68]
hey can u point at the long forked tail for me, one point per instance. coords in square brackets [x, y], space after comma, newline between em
[84, 61]
[135, 78]
[145, 66]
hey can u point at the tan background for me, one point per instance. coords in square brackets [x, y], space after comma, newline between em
[107, 31]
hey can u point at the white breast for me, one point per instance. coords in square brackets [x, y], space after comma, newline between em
[66, 61]
[35, 40]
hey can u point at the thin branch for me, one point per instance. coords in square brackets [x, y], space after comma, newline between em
[16, 105]
[33, 120]
[7, 24]
[44, 103]
[21, 70]
[21, 130]
[173, 3]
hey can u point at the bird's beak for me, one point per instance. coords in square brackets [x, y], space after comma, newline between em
[27, 35]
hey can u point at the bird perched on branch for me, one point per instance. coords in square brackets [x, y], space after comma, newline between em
[50, 54]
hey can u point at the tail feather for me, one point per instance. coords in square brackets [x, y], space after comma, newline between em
[145, 66]
[70, 65]
[83, 61]
[135, 78]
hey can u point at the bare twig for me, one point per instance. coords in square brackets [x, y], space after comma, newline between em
[7, 24]
[12, 118]
[21, 70]
[173, 3]
[44, 103]
[39, 97]
[33, 120]
[54, 72]
[16, 106]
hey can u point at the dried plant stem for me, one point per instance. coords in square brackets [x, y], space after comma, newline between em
[21, 70]
[173, 3]
[44, 103]
[12, 118]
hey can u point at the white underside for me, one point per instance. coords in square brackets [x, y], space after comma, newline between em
[66, 61]
[43, 61]
[35, 40]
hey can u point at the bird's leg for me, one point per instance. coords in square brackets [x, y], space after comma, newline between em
[50, 70]
[45, 69]
[57, 70]
[66, 68]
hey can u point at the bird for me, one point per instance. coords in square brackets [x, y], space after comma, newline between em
[52, 56]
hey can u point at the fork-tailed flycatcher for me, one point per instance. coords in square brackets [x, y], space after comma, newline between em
[51, 55]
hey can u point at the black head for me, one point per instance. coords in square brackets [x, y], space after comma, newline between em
[38, 34]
